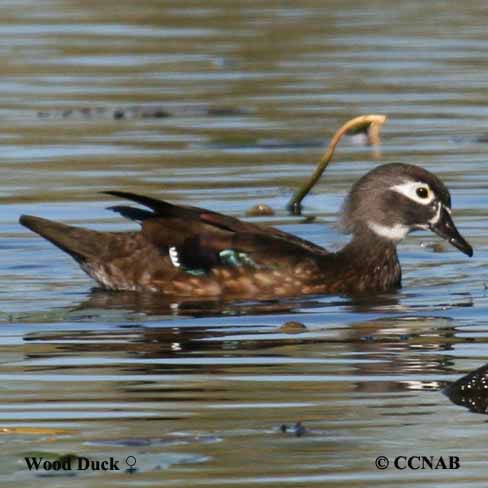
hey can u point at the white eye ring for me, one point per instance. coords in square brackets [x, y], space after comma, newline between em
[409, 189]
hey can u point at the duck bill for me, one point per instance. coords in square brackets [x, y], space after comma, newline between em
[445, 228]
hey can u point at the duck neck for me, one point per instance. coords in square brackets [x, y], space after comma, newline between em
[371, 261]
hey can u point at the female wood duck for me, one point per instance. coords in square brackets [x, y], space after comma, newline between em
[191, 252]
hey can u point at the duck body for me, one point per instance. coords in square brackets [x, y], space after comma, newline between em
[192, 252]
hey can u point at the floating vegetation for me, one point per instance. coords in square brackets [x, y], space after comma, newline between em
[297, 430]
[292, 327]
[259, 210]
[138, 112]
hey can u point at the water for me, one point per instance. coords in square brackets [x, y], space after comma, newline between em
[199, 394]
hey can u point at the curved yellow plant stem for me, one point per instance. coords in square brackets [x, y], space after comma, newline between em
[371, 124]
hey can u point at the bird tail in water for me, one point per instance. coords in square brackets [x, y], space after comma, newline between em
[81, 244]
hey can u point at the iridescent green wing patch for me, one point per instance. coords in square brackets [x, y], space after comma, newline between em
[231, 257]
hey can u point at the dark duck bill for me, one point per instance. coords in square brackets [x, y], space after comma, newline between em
[445, 228]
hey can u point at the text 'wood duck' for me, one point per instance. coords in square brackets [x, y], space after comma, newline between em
[192, 252]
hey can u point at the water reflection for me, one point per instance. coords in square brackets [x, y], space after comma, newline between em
[191, 385]
[382, 342]
[154, 304]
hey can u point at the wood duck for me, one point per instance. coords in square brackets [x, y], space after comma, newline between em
[184, 251]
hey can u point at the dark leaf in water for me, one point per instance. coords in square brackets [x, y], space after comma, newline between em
[298, 429]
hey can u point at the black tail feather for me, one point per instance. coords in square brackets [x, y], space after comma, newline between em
[152, 203]
[132, 213]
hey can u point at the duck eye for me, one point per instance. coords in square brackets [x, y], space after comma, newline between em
[422, 192]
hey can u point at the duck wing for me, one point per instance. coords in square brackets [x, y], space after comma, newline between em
[198, 239]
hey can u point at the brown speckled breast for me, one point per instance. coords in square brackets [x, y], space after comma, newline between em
[355, 269]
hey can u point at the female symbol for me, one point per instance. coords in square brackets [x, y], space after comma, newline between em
[131, 462]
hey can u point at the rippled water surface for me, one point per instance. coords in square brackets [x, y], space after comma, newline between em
[226, 105]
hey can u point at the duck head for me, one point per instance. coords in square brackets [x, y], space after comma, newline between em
[393, 200]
